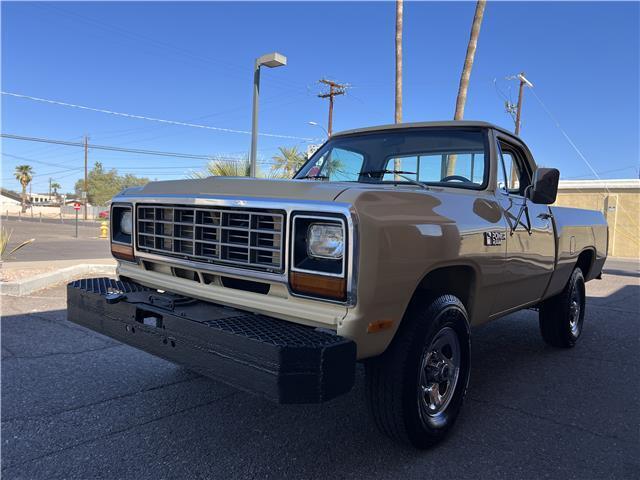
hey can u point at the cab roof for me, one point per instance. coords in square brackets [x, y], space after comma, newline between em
[439, 124]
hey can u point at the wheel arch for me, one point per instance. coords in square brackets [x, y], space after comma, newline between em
[585, 261]
[460, 280]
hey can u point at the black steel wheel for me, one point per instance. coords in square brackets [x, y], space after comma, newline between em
[561, 317]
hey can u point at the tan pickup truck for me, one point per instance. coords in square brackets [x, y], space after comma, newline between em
[387, 247]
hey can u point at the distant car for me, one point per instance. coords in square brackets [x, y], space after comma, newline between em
[104, 214]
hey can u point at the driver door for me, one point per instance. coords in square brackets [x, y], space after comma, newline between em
[530, 252]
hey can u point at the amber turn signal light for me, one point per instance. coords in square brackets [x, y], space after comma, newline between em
[379, 326]
[122, 252]
[318, 285]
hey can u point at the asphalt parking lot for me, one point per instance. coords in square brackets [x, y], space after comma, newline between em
[55, 240]
[79, 405]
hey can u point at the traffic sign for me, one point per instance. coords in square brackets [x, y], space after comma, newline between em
[76, 206]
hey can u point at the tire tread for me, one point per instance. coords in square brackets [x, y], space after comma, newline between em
[385, 375]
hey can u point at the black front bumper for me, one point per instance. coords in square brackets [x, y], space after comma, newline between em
[284, 361]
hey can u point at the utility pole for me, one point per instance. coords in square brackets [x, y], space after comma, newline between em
[334, 89]
[518, 108]
[86, 174]
[49, 199]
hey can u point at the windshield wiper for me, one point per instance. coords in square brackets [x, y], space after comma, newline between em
[315, 177]
[399, 173]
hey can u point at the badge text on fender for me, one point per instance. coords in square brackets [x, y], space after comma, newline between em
[492, 239]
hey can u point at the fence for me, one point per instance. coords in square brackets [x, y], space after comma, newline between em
[61, 213]
[93, 212]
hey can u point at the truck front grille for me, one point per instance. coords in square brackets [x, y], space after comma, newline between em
[244, 238]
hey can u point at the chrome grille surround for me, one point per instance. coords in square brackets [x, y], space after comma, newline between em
[245, 238]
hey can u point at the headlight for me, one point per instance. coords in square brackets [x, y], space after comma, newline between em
[319, 256]
[325, 241]
[121, 232]
[126, 222]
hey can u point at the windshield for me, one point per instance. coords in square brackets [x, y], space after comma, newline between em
[447, 157]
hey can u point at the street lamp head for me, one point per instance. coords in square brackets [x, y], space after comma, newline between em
[316, 124]
[523, 79]
[272, 60]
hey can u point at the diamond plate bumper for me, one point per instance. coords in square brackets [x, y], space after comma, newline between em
[286, 362]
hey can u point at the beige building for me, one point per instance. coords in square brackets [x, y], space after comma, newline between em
[619, 200]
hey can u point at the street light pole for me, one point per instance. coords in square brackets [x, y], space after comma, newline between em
[254, 118]
[270, 60]
[86, 174]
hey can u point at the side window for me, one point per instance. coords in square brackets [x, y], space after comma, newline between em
[512, 176]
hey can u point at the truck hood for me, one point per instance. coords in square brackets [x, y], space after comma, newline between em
[244, 187]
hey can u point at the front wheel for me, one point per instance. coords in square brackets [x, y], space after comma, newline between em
[416, 388]
[561, 317]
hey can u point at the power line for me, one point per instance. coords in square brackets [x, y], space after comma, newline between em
[152, 119]
[207, 158]
[24, 159]
[124, 169]
[578, 151]
[602, 172]
[108, 147]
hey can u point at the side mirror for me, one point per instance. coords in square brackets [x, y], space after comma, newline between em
[544, 187]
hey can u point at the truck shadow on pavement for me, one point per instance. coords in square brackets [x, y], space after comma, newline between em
[79, 405]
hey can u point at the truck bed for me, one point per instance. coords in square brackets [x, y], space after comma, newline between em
[578, 231]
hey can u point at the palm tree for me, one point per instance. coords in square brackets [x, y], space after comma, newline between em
[288, 161]
[229, 168]
[398, 113]
[399, 15]
[55, 186]
[466, 73]
[225, 167]
[232, 167]
[468, 61]
[24, 174]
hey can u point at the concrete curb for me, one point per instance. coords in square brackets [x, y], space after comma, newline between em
[49, 279]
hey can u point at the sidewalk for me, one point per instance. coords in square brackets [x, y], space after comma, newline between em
[23, 278]
[17, 271]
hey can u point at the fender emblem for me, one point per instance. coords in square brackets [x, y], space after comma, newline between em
[493, 239]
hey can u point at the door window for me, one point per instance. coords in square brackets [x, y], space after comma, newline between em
[513, 177]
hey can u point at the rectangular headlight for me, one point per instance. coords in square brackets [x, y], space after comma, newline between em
[325, 241]
[318, 256]
[122, 232]
[121, 223]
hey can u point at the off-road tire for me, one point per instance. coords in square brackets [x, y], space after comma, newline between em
[393, 381]
[557, 316]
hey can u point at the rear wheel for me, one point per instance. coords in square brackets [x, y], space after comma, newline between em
[416, 388]
[561, 317]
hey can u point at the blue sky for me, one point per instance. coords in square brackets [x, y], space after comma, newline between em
[193, 62]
